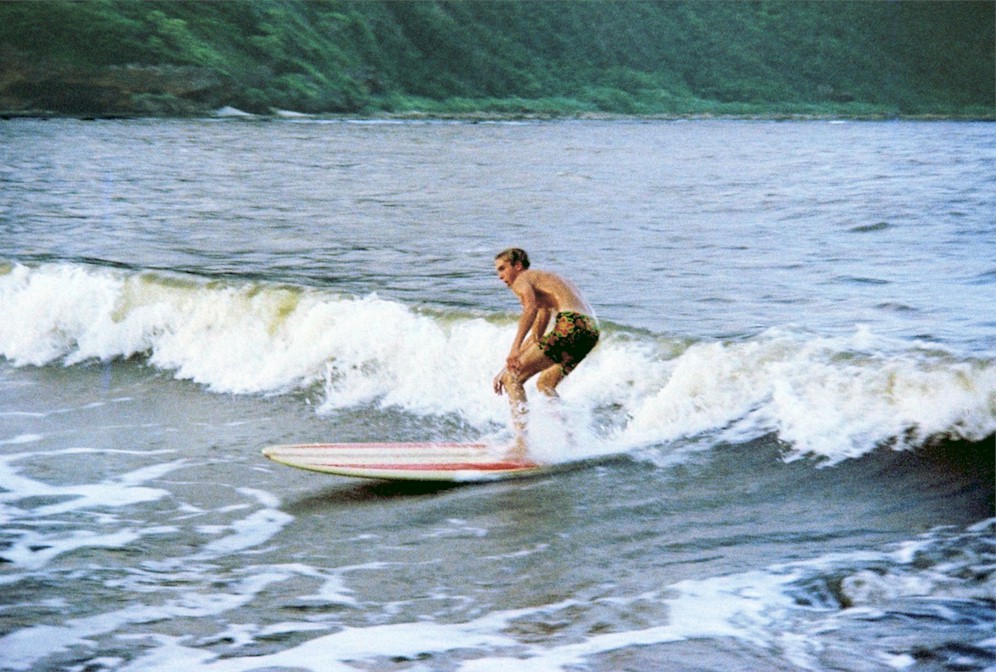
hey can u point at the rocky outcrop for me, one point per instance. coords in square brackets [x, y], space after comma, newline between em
[46, 87]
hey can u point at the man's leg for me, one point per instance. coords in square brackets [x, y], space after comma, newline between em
[549, 379]
[532, 362]
[547, 384]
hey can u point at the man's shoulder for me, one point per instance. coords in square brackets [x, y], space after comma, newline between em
[537, 279]
[529, 276]
[531, 282]
[539, 275]
[547, 279]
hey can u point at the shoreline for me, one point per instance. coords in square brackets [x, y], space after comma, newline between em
[483, 116]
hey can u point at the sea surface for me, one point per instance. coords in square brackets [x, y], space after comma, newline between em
[781, 451]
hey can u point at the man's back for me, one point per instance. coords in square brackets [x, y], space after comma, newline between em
[551, 291]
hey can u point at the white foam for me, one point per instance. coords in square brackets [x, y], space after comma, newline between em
[823, 396]
[29, 548]
[246, 533]
[333, 591]
[122, 491]
[333, 652]
[33, 551]
[899, 661]
[746, 607]
[24, 648]
[834, 398]
[741, 606]
[759, 608]
[21, 439]
[254, 530]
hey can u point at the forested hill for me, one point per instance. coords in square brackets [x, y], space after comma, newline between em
[851, 58]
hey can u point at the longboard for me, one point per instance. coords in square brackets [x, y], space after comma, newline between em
[427, 461]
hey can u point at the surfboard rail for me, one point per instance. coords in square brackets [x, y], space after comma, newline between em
[416, 461]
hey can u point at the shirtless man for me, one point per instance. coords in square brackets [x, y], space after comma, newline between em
[553, 355]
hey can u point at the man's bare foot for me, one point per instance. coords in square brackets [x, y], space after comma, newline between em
[517, 453]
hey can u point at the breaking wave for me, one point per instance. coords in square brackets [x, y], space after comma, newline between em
[829, 397]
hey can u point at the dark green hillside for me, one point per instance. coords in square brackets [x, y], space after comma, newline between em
[554, 57]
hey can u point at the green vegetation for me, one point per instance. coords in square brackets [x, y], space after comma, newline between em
[850, 57]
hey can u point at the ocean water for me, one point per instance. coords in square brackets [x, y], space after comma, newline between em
[784, 441]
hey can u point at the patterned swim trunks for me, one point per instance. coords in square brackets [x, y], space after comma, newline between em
[570, 340]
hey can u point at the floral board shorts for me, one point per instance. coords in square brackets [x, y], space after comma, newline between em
[570, 340]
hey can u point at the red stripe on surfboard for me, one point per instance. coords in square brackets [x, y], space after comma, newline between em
[468, 466]
[384, 446]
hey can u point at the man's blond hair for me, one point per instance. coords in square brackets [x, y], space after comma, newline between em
[514, 255]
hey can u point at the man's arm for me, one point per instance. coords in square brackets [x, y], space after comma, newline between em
[530, 313]
[540, 324]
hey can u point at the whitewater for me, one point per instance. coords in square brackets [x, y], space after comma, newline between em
[782, 446]
[830, 397]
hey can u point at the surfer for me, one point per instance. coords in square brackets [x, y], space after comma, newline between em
[551, 354]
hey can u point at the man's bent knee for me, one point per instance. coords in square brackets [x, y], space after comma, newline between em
[548, 381]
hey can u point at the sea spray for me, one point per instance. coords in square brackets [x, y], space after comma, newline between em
[832, 398]
[382, 352]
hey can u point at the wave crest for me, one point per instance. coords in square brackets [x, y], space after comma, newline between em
[833, 398]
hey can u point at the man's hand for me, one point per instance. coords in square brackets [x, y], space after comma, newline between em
[499, 382]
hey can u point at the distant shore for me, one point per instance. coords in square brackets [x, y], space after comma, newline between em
[484, 116]
[486, 61]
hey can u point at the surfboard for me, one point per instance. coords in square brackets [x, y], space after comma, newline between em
[426, 461]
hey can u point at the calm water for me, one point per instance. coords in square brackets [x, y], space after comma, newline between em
[793, 407]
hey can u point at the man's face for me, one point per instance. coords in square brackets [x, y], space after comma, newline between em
[507, 272]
